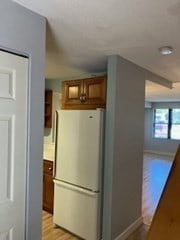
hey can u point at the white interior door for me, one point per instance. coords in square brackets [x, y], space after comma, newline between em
[13, 141]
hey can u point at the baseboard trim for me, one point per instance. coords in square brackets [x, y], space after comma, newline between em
[160, 153]
[129, 230]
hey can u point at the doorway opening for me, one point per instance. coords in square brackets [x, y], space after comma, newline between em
[13, 143]
[158, 149]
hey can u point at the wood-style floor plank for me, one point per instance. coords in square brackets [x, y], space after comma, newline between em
[50, 232]
[166, 221]
[156, 169]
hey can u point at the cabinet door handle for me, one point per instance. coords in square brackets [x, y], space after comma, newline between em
[81, 98]
[50, 168]
[84, 98]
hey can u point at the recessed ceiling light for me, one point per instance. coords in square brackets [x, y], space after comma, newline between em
[166, 50]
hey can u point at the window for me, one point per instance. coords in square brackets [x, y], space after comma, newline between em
[167, 123]
[175, 124]
[161, 119]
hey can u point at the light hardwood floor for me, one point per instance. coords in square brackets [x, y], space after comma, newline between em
[156, 169]
[50, 232]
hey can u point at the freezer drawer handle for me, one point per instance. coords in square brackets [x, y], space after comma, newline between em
[74, 188]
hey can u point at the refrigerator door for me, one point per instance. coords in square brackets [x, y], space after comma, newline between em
[79, 148]
[77, 210]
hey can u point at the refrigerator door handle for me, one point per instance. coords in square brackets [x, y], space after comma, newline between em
[56, 146]
[75, 188]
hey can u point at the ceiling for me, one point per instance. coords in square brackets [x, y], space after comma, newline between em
[159, 93]
[81, 34]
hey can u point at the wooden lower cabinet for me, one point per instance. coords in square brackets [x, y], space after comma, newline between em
[48, 186]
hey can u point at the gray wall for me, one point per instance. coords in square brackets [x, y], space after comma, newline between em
[154, 144]
[123, 147]
[23, 31]
[124, 137]
[109, 146]
[53, 84]
[127, 174]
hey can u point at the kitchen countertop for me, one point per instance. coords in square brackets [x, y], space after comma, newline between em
[49, 151]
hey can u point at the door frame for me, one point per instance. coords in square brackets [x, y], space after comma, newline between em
[14, 52]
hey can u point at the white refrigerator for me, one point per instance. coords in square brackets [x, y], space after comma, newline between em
[78, 172]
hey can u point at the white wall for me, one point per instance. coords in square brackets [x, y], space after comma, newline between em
[23, 31]
[158, 145]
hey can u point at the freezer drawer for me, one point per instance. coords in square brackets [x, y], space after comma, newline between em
[77, 210]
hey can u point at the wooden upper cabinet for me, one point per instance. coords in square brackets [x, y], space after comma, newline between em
[48, 109]
[95, 91]
[84, 94]
[71, 92]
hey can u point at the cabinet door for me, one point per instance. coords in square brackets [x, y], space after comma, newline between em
[71, 93]
[48, 109]
[95, 92]
[48, 186]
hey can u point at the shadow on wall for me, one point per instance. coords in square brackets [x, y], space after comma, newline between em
[58, 65]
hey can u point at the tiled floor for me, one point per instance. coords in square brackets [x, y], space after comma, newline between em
[156, 169]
